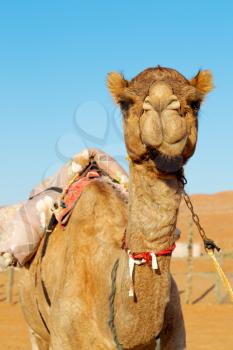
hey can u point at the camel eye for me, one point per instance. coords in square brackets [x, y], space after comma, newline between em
[125, 105]
[195, 105]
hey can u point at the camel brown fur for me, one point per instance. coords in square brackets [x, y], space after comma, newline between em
[160, 109]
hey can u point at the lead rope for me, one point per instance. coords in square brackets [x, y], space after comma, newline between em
[209, 244]
[221, 274]
[111, 299]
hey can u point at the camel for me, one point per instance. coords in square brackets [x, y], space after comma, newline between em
[89, 293]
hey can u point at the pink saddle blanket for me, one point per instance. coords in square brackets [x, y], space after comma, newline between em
[71, 195]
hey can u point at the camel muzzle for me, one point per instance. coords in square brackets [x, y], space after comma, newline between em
[162, 127]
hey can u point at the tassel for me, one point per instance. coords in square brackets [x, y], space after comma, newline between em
[131, 270]
[154, 261]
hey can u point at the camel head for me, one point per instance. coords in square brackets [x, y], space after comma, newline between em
[160, 114]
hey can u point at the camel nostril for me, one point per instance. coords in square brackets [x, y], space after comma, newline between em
[147, 104]
[173, 103]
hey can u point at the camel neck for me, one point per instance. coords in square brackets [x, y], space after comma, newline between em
[153, 208]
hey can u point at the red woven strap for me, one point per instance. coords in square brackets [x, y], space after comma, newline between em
[147, 255]
[73, 192]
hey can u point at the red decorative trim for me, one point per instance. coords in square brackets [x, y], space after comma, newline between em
[147, 255]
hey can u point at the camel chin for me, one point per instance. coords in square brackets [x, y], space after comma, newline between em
[167, 164]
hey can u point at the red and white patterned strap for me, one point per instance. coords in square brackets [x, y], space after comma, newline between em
[144, 258]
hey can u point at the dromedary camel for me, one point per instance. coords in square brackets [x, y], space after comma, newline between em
[77, 297]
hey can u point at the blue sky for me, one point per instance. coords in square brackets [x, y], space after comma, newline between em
[53, 63]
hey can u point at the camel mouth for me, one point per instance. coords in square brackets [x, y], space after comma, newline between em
[166, 163]
[173, 149]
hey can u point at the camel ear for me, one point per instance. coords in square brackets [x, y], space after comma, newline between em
[203, 82]
[116, 85]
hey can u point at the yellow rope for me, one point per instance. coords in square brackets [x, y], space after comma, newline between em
[72, 180]
[69, 183]
[221, 274]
